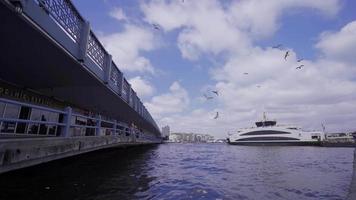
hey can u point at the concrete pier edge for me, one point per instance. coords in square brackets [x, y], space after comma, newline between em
[21, 153]
[352, 188]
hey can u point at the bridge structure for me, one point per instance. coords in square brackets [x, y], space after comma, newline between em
[61, 94]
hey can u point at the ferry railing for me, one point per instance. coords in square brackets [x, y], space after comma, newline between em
[63, 23]
[67, 123]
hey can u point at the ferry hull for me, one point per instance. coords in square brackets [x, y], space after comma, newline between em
[302, 143]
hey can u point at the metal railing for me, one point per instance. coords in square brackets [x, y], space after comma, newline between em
[96, 51]
[84, 44]
[22, 119]
[65, 14]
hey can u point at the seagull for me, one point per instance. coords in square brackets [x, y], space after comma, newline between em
[156, 26]
[300, 67]
[278, 46]
[258, 86]
[300, 60]
[208, 97]
[217, 115]
[216, 92]
[245, 73]
[286, 55]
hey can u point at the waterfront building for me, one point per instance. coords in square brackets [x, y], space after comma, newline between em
[190, 138]
[165, 132]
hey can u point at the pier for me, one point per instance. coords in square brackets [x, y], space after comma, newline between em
[61, 94]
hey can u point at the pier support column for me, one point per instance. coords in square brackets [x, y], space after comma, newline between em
[67, 121]
[115, 127]
[98, 126]
[107, 69]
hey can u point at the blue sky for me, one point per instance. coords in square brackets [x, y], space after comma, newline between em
[208, 45]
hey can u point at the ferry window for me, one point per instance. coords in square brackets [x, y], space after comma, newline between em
[270, 132]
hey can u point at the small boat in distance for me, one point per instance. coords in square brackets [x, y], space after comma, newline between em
[267, 132]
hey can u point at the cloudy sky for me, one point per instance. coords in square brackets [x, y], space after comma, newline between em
[174, 51]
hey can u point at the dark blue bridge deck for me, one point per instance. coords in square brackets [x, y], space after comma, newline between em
[60, 92]
[50, 49]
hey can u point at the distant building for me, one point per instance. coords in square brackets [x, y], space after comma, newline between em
[165, 132]
[190, 138]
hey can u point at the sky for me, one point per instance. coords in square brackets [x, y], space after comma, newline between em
[175, 52]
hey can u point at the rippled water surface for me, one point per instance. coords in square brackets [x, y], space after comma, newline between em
[188, 171]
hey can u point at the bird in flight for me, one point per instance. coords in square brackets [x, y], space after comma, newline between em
[278, 46]
[258, 86]
[156, 26]
[245, 73]
[208, 97]
[286, 55]
[215, 92]
[300, 67]
[300, 60]
[216, 115]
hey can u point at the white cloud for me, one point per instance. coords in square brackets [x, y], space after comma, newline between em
[126, 47]
[118, 14]
[176, 100]
[339, 45]
[142, 87]
[211, 27]
[261, 18]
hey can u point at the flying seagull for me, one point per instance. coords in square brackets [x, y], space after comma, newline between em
[156, 26]
[217, 115]
[300, 67]
[258, 86]
[300, 60]
[286, 55]
[216, 92]
[245, 73]
[278, 46]
[208, 97]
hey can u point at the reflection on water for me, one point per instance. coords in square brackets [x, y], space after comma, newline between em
[187, 171]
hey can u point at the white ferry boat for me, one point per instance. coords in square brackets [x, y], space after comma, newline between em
[267, 132]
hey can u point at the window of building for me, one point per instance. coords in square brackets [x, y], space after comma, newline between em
[2, 109]
[25, 113]
[36, 116]
[10, 111]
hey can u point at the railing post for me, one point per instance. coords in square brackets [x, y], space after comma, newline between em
[67, 121]
[84, 39]
[129, 94]
[98, 126]
[107, 68]
[115, 127]
[121, 82]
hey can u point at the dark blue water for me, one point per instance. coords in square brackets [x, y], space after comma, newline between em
[188, 171]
